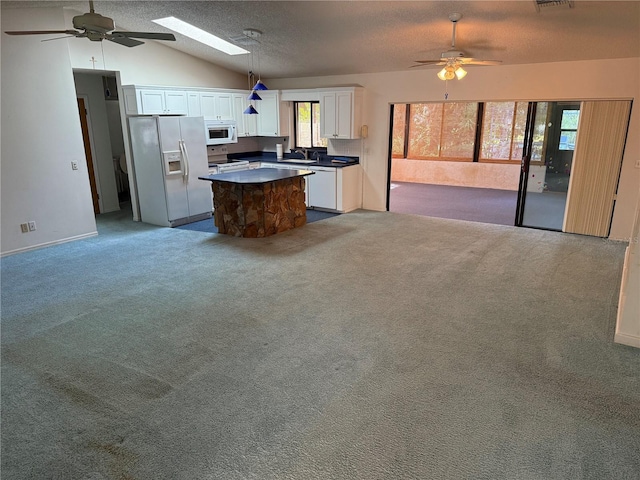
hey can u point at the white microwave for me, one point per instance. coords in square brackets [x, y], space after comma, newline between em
[219, 132]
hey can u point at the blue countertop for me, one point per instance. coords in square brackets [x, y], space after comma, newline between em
[257, 175]
[289, 159]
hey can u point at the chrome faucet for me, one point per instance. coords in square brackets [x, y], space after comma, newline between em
[303, 151]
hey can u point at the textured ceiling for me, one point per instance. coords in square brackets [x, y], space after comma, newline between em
[309, 38]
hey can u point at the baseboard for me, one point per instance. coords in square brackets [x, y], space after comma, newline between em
[630, 340]
[49, 244]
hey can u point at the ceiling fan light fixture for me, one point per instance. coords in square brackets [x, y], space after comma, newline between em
[447, 73]
[461, 73]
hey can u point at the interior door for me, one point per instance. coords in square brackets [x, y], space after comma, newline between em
[82, 110]
[596, 166]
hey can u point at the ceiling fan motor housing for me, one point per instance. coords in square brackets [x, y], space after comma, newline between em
[452, 54]
[93, 22]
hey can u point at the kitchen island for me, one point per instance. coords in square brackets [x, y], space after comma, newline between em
[259, 202]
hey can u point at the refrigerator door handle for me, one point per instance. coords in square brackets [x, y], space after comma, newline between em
[185, 156]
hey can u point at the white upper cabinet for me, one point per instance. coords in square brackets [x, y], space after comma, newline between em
[247, 125]
[153, 101]
[216, 105]
[193, 102]
[341, 113]
[273, 120]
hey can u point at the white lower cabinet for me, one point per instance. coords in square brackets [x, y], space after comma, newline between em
[329, 188]
[349, 188]
[322, 188]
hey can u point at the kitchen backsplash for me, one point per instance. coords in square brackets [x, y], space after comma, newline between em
[350, 148]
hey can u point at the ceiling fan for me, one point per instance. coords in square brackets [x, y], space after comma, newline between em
[96, 28]
[453, 59]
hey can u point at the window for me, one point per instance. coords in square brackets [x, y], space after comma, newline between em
[539, 132]
[449, 131]
[398, 134]
[503, 128]
[442, 131]
[307, 125]
[568, 129]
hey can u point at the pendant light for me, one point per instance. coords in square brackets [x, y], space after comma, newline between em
[251, 110]
[252, 35]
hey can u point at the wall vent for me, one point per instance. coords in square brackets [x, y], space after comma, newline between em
[552, 3]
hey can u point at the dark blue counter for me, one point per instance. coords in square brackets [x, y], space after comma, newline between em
[325, 161]
[256, 176]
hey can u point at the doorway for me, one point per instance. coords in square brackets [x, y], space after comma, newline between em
[565, 157]
[104, 139]
[444, 162]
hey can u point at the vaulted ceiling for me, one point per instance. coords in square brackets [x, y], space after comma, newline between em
[313, 38]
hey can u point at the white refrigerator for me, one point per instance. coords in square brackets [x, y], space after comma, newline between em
[169, 154]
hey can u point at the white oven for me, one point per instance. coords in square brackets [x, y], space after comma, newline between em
[219, 132]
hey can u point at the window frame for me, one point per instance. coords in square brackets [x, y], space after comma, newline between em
[296, 127]
[441, 133]
[479, 133]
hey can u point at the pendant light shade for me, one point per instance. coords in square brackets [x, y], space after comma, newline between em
[260, 86]
[254, 96]
[250, 110]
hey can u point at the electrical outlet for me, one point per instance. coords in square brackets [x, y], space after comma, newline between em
[74, 165]
[224, 150]
[32, 226]
[24, 227]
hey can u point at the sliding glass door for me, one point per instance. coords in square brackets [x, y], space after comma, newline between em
[546, 164]
[571, 164]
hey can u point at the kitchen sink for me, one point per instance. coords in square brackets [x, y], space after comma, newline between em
[297, 160]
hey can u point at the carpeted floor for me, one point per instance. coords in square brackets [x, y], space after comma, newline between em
[370, 345]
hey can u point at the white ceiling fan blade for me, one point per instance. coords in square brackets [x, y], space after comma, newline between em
[475, 61]
[431, 62]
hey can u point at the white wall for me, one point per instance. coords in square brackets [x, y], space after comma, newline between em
[41, 133]
[41, 136]
[91, 87]
[553, 81]
[628, 322]
[154, 63]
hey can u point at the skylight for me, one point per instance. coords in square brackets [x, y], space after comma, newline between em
[188, 30]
